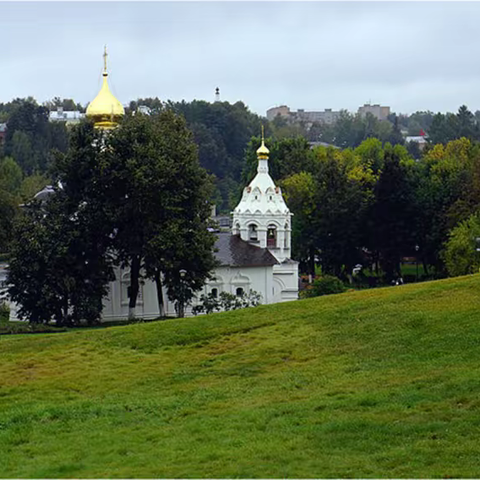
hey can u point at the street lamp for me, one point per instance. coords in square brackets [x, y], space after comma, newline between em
[417, 248]
[181, 310]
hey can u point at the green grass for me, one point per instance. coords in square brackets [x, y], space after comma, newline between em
[377, 383]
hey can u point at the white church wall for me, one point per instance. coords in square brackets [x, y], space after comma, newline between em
[226, 279]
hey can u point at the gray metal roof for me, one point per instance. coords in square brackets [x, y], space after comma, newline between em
[234, 252]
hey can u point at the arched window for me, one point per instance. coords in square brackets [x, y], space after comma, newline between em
[252, 233]
[236, 230]
[285, 237]
[239, 291]
[214, 292]
[271, 236]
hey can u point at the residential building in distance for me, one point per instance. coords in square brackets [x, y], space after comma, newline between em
[327, 116]
[69, 117]
[420, 139]
[281, 111]
[379, 112]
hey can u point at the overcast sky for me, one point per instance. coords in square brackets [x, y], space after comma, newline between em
[411, 56]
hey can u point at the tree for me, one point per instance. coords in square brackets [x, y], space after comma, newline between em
[31, 138]
[444, 195]
[61, 257]
[31, 185]
[395, 137]
[343, 194]
[392, 218]
[160, 197]
[21, 151]
[466, 123]
[8, 211]
[299, 192]
[460, 254]
[10, 175]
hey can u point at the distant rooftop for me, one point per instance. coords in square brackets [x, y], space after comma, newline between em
[65, 116]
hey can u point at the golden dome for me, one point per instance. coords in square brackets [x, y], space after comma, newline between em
[263, 151]
[105, 110]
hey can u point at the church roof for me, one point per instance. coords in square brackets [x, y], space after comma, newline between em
[235, 252]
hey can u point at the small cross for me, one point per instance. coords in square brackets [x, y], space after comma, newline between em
[105, 59]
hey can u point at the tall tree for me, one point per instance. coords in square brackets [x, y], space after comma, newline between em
[61, 257]
[392, 218]
[160, 194]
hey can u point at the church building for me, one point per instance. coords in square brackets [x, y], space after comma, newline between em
[253, 256]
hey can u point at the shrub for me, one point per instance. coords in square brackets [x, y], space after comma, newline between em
[460, 254]
[227, 301]
[4, 313]
[325, 285]
[12, 328]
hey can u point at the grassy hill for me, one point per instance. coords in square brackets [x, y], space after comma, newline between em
[379, 383]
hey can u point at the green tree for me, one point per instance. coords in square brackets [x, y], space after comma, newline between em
[460, 254]
[466, 123]
[299, 192]
[61, 262]
[22, 152]
[10, 175]
[442, 194]
[31, 185]
[392, 217]
[8, 212]
[160, 197]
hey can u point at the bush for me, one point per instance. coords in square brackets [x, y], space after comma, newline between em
[227, 301]
[11, 328]
[4, 312]
[460, 254]
[325, 285]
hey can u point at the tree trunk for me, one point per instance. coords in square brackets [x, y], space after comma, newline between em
[158, 283]
[134, 285]
[311, 261]
[425, 266]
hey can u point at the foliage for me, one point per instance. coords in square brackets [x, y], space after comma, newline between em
[461, 255]
[19, 328]
[447, 127]
[325, 285]
[59, 266]
[61, 262]
[8, 211]
[226, 301]
[4, 310]
[221, 131]
[10, 175]
[31, 138]
[392, 215]
[159, 198]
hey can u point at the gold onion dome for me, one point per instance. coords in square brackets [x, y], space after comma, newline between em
[263, 151]
[105, 110]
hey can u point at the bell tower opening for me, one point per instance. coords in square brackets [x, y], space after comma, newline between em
[252, 233]
[272, 236]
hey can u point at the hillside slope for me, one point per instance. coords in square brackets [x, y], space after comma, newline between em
[380, 383]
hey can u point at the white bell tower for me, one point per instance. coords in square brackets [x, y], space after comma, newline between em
[262, 217]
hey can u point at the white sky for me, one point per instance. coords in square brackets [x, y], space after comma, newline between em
[312, 55]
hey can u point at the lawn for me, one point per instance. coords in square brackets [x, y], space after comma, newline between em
[376, 383]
